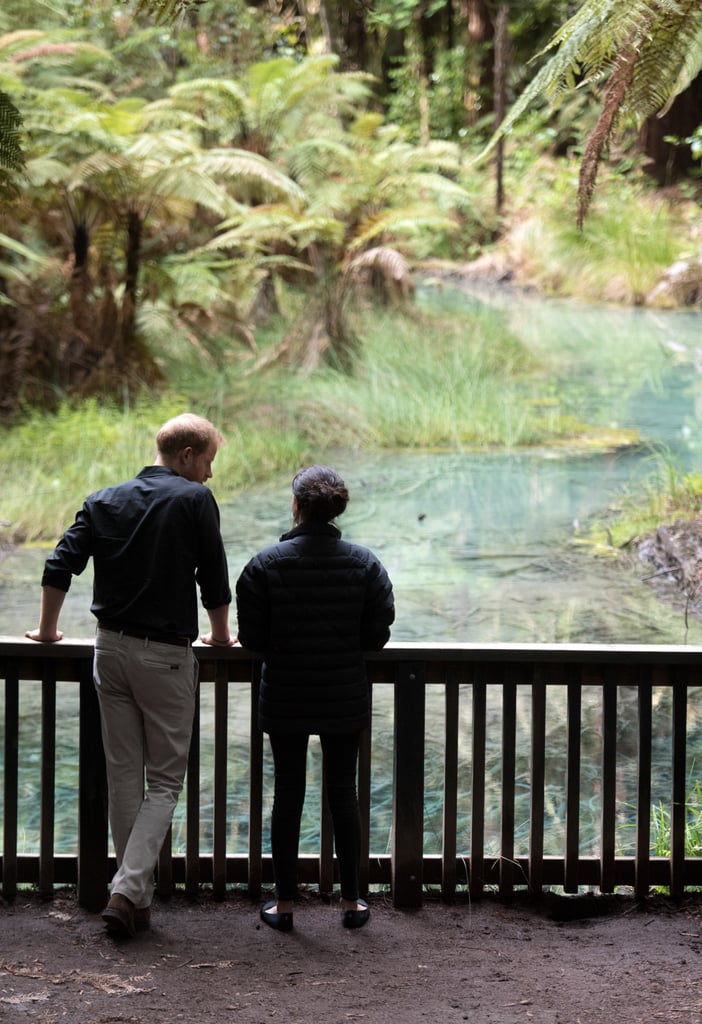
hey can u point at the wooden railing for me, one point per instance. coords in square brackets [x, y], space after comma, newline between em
[490, 793]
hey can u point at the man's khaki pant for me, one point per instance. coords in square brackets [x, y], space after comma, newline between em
[146, 692]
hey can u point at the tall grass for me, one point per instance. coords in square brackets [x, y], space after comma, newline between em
[439, 381]
[50, 462]
[423, 380]
[660, 829]
[630, 236]
[665, 494]
[660, 825]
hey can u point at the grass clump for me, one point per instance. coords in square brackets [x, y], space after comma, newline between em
[439, 382]
[666, 494]
[86, 446]
[629, 238]
[424, 380]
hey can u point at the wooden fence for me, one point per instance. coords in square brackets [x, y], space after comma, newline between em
[506, 766]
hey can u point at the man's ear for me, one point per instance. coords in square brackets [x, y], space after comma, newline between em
[185, 456]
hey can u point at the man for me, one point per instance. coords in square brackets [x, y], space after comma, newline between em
[153, 540]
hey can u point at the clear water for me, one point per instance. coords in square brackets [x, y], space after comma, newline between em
[482, 546]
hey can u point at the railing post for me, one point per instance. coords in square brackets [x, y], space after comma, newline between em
[678, 809]
[255, 873]
[192, 804]
[10, 799]
[574, 697]
[643, 783]
[609, 780]
[507, 809]
[408, 775]
[92, 798]
[364, 804]
[219, 842]
[538, 777]
[449, 844]
[48, 778]
[478, 758]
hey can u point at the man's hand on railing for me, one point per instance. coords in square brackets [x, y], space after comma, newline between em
[51, 604]
[44, 638]
[213, 641]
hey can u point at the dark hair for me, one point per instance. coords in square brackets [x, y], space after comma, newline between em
[320, 493]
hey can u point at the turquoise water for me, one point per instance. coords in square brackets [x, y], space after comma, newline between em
[482, 546]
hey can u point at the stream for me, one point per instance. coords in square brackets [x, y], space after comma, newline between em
[482, 545]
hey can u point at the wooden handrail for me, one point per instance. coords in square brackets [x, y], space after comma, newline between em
[469, 676]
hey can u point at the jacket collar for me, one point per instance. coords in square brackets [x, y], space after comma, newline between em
[312, 529]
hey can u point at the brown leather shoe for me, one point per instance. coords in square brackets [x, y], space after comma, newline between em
[142, 918]
[118, 915]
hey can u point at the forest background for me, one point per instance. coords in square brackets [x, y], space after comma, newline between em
[229, 206]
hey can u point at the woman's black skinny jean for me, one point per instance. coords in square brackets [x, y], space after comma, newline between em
[290, 761]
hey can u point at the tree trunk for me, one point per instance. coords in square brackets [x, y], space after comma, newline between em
[80, 282]
[131, 278]
[668, 162]
[479, 80]
[345, 32]
[501, 66]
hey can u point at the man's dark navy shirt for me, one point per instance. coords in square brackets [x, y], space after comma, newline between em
[153, 540]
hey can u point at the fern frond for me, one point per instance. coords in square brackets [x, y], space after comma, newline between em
[12, 245]
[668, 62]
[275, 225]
[165, 12]
[663, 37]
[185, 183]
[403, 222]
[236, 164]
[392, 263]
[11, 156]
[616, 90]
[319, 158]
[44, 170]
[225, 95]
[426, 184]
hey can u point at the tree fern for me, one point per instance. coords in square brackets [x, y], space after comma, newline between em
[165, 11]
[11, 156]
[643, 53]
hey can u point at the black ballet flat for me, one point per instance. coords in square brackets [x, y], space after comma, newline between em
[281, 922]
[355, 918]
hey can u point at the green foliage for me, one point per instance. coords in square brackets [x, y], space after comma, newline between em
[645, 52]
[421, 381]
[236, 174]
[661, 831]
[666, 493]
[401, 13]
[11, 156]
[630, 237]
[66, 455]
[444, 95]
[666, 35]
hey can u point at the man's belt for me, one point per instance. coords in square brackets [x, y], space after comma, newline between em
[154, 638]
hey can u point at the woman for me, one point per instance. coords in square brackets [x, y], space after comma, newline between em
[312, 604]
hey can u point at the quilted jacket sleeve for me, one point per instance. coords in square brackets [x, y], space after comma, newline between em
[379, 611]
[253, 607]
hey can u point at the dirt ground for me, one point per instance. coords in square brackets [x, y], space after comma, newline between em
[560, 961]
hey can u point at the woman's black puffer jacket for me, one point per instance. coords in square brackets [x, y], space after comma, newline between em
[311, 605]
